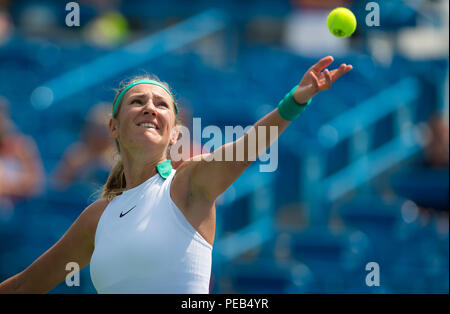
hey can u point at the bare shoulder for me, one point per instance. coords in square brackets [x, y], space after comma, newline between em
[91, 215]
[185, 191]
[179, 189]
[183, 185]
[190, 199]
[184, 171]
[187, 172]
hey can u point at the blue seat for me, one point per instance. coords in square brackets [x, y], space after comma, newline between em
[267, 276]
[377, 218]
[421, 260]
[333, 255]
[426, 187]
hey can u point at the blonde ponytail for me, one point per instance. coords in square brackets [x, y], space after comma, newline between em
[115, 184]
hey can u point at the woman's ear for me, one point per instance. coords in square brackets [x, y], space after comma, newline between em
[113, 128]
[174, 135]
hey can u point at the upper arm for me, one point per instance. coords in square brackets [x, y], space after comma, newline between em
[76, 245]
[210, 178]
[211, 174]
[214, 177]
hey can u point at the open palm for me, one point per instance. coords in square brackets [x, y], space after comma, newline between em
[316, 79]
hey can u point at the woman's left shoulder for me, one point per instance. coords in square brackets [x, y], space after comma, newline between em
[183, 173]
[184, 184]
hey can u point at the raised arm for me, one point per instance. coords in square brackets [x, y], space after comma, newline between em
[211, 177]
[76, 245]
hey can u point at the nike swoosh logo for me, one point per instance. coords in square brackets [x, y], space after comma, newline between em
[123, 214]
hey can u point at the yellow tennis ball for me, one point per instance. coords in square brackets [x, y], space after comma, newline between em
[341, 22]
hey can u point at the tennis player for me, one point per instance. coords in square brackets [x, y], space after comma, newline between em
[152, 230]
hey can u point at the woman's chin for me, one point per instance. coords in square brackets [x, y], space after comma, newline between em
[151, 132]
[151, 137]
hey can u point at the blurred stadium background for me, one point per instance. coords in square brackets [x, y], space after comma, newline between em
[362, 174]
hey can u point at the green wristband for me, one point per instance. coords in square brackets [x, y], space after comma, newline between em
[289, 109]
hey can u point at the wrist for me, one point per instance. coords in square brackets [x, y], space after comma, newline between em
[289, 109]
[300, 96]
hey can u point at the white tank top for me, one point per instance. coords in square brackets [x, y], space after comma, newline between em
[144, 244]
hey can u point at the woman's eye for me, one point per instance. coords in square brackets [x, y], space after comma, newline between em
[136, 101]
[163, 104]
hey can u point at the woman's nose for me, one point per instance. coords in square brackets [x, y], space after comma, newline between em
[150, 108]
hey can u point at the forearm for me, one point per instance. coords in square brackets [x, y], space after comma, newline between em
[255, 141]
[12, 285]
[229, 161]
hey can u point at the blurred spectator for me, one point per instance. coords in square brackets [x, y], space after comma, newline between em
[101, 5]
[437, 149]
[323, 4]
[91, 158]
[21, 171]
[426, 181]
[436, 159]
[6, 25]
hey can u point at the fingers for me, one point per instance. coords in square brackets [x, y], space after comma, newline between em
[336, 74]
[323, 80]
[318, 84]
[322, 64]
[328, 79]
[315, 80]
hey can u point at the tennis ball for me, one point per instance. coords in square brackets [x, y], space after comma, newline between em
[341, 22]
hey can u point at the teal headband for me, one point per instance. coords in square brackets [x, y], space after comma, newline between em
[143, 81]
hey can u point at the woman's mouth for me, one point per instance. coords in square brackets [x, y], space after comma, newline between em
[148, 125]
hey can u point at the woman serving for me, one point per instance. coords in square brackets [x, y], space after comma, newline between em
[152, 230]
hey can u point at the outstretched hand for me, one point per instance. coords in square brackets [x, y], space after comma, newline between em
[315, 80]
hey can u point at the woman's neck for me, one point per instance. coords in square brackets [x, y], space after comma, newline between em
[136, 172]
